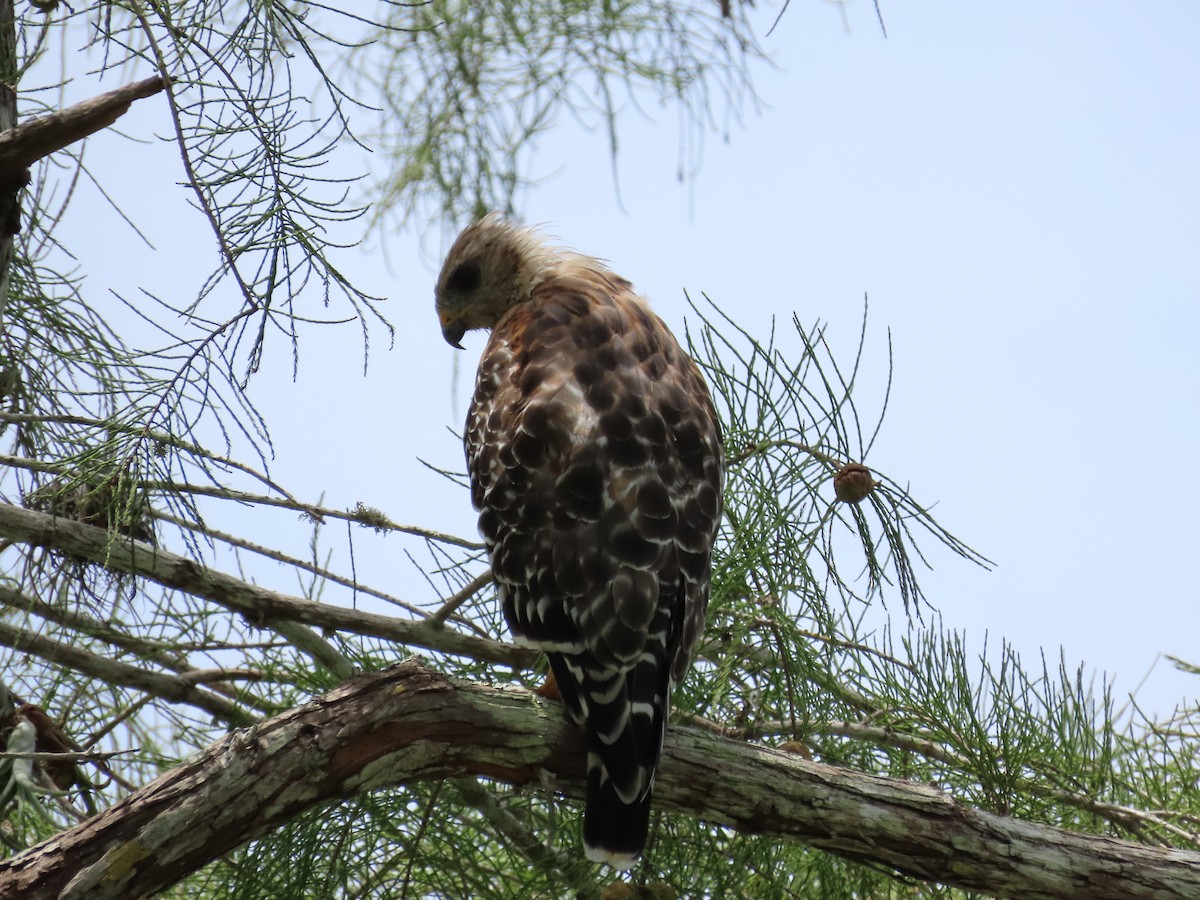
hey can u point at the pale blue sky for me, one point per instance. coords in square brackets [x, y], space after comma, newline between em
[1016, 187]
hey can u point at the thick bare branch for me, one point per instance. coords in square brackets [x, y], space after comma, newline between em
[25, 144]
[410, 723]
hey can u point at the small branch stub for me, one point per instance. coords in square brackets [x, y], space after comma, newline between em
[853, 483]
[26, 143]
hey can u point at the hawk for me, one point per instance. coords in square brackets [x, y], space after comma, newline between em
[596, 465]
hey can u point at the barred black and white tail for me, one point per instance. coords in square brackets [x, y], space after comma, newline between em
[614, 832]
[623, 714]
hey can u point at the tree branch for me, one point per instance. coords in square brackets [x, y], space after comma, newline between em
[169, 687]
[158, 653]
[11, 186]
[264, 608]
[409, 723]
[25, 144]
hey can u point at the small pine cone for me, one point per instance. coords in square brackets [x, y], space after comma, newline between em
[853, 483]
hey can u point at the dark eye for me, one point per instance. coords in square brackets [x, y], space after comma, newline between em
[465, 278]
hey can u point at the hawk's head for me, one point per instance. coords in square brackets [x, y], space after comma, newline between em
[493, 265]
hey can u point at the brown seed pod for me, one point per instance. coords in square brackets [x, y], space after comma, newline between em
[853, 483]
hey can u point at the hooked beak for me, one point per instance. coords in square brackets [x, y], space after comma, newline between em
[453, 331]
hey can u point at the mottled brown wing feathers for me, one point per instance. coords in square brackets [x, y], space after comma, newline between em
[595, 460]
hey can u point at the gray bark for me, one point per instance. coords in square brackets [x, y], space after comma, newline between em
[12, 184]
[23, 145]
[410, 723]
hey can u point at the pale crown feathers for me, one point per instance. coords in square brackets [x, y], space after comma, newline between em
[495, 264]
